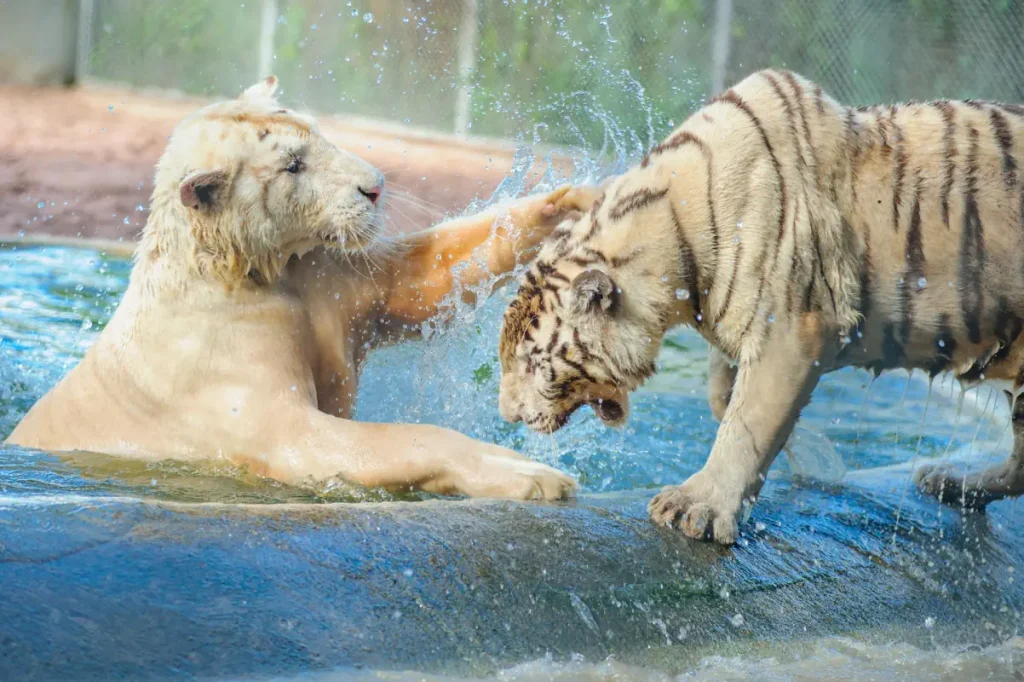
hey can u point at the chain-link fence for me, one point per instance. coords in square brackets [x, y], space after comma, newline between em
[560, 71]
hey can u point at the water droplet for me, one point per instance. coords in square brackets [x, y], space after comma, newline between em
[929, 622]
[771, 319]
[739, 224]
[407, 573]
[682, 294]
[294, 387]
[86, 325]
[922, 283]
[737, 620]
[140, 208]
[126, 221]
[368, 17]
[942, 344]
[41, 204]
[700, 317]
[110, 107]
[664, 278]
[313, 27]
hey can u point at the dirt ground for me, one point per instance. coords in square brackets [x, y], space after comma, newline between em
[79, 162]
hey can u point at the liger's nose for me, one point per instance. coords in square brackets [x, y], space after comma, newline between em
[373, 194]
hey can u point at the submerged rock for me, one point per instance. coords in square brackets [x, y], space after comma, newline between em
[97, 587]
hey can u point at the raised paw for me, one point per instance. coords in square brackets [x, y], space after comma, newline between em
[696, 509]
[972, 490]
[569, 202]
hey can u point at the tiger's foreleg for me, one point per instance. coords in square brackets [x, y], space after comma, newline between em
[766, 400]
[977, 490]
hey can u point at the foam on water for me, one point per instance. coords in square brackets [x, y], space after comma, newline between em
[833, 659]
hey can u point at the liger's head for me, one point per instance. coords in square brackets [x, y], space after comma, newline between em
[258, 183]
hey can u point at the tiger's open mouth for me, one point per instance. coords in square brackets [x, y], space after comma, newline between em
[610, 411]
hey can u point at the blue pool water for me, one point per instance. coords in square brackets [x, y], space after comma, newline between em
[167, 569]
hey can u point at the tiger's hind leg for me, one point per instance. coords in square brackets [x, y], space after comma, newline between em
[977, 490]
[721, 377]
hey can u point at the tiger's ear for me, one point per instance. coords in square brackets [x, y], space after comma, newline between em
[594, 291]
[203, 190]
[265, 89]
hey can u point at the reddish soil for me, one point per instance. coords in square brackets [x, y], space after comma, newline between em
[70, 165]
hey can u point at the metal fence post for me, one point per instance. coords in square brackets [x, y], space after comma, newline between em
[466, 64]
[720, 45]
[83, 40]
[268, 23]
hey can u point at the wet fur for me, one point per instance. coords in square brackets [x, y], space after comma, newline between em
[798, 236]
[256, 294]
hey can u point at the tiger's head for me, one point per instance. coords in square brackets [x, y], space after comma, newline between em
[588, 320]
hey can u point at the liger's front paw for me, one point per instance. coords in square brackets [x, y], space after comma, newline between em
[570, 201]
[518, 479]
[698, 510]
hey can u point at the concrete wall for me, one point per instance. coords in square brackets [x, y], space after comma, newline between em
[37, 41]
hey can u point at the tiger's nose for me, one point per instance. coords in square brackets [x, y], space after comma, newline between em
[509, 408]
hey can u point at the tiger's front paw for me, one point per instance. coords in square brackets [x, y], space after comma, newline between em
[698, 509]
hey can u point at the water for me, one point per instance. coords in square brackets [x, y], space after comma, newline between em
[839, 570]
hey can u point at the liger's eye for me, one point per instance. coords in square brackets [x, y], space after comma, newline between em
[295, 166]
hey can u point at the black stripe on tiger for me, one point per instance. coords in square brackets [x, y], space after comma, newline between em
[948, 156]
[972, 248]
[731, 98]
[563, 354]
[688, 272]
[550, 272]
[819, 100]
[1007, 328]
[913, 254]
[634, 201]
[864, 303]
[798, 93]
[945, 343]
[893, 355]
[790, 116]
[682, 138]
[852, 139]
[899, 170]
[1004, 138]
[554, 290]
[1015, 109]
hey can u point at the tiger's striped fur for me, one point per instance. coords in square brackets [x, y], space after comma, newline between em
[798, 236]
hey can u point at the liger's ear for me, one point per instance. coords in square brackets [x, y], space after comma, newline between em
[265, 89]
[203, 190]
[594, 291]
